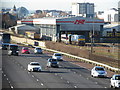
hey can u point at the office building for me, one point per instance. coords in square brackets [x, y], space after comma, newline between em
[83, 9]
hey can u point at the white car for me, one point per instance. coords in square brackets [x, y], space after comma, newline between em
[98, 71]
[34, 66]
[115, 81]
[38, 50]
[57, 56]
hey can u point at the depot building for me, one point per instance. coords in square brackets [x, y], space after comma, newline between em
[52, 28]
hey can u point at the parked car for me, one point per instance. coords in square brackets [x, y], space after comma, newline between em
[52, 63]
[57, 56]
[115, 81]
[34, 66]
[98, 71]
[38, 50]
[25, 50]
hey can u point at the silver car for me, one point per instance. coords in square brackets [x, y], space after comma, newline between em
[38, 50]
[52, 63]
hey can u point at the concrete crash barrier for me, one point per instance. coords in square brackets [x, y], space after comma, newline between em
[42, 45]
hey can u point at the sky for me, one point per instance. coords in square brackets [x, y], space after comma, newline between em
[65, 5]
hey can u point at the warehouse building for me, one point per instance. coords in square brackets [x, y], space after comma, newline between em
[52, 28]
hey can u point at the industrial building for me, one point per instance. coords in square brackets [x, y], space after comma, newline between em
[52, 28]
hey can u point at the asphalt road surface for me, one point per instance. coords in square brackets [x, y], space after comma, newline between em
[68, 75]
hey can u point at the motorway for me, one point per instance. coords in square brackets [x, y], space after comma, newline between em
[68, 75]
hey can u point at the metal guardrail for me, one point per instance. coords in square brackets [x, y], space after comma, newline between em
[87, 60]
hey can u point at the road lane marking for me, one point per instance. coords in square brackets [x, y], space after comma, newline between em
[68, 82]
[55, 73]
[32, 75]
[37, 80]
[11, 86]
[42, 84]
[96, 82]
[4, 75]
[7, 78]
[75, 86]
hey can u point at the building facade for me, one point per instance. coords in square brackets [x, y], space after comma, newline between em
[52, 28]
[83, 9]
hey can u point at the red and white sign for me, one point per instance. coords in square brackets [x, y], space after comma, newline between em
[79, 22]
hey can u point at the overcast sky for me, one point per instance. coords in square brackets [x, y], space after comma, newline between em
[65, 5]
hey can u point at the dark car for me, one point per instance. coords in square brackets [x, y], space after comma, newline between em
[5, 46]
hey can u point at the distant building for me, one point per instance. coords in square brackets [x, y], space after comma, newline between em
[22, 12]
[111, 15]
[119, 11]
[52, 14]
[83, 9]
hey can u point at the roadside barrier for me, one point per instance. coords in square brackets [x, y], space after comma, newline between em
[86, 60]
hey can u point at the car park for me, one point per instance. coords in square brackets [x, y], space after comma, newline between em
[115, 81]
[57, 56]
[13, 49]
[38, 50]
[25, 50]
[98, 71]
[52, 63]
[34, 66]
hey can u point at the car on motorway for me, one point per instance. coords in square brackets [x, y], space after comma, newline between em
[34, 66]
[13, 49]
[38, 50]
[57, 56]
[5, 46]
[98, 71]
[52, 63]
[115, 81]
[25, 50]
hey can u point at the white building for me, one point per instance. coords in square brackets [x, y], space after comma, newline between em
[83, 9]
[53, 14]
[109, 16]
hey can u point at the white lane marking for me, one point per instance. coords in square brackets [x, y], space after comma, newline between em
[11, 86]
[80, 75]
[74, 72]
[68, 82]
[105, 87]
[28, 72]
[55, 73]
[7, 79]
[42, 84]
[96, 82]
[37, 80]
[87, 78]
[25, 69]
[61, 77]
[9, 82]
[75, 86]
[32, 75]
[4, 75]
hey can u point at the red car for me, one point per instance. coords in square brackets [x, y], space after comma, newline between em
[25, 50]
